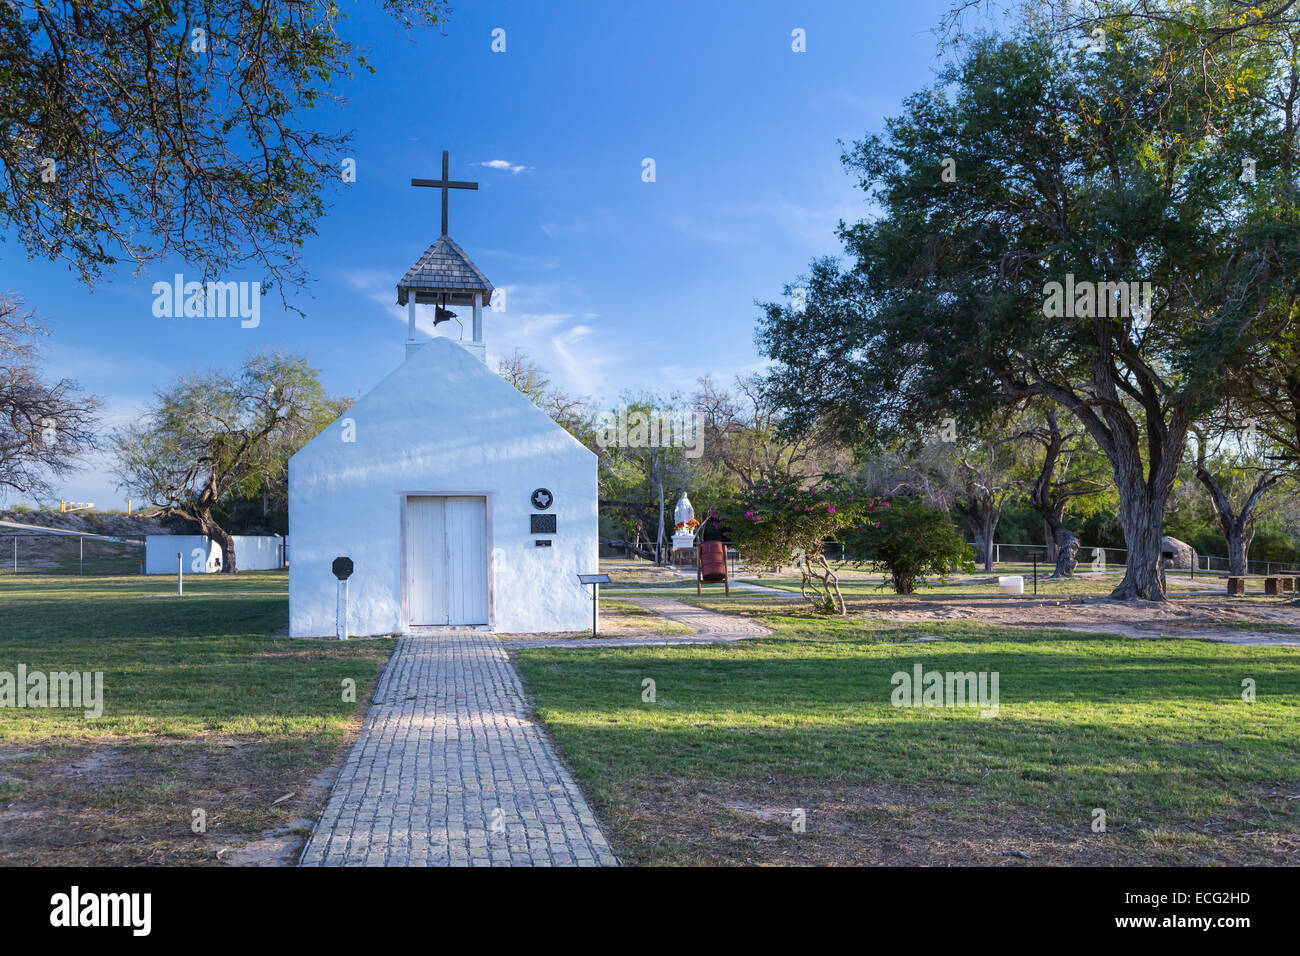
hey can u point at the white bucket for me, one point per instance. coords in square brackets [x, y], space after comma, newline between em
[1014, 584]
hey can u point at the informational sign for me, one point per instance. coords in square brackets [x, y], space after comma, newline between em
[541, 524]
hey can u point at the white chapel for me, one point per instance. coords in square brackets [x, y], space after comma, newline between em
[458, 502]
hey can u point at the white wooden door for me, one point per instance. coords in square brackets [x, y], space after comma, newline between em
[446, 560]
[467, 564]
[426, 560]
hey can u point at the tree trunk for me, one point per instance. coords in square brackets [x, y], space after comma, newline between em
[1238, 529]
[223, 538]
[1239, 539]
[659, 493]
[983, 547]
[1143, 478]
[989, 531]
[1063, 544]
[1144, 451]
[1040, 496]
[1141, 515]
[1067, 551]
[982, 522]
[904, 582]
[201, 513]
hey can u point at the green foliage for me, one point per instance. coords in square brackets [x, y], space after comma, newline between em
[123, 120]
[782, 521]
[212, 439]
[1120, 166]
[914, 540]
[649, 448]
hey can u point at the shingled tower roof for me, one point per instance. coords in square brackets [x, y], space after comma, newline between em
[444, 269]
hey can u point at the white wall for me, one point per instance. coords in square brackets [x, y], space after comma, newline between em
[257, 552]
[442, 423]
[199, 555]
[252, 553]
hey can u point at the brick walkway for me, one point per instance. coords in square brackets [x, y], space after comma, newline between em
[451, 771]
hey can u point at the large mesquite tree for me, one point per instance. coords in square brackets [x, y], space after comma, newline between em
[140, 131]
[212, 436]
[1024, 202]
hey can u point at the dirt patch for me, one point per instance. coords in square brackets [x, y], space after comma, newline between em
[282, 846]
[1218, 618]
[133, 802]
[682, 823]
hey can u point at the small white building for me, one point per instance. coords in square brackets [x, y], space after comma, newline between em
[459, 502]
[202, 555]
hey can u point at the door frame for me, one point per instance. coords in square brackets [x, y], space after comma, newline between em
[487, 497]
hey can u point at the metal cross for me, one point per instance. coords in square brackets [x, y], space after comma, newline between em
[444, 184]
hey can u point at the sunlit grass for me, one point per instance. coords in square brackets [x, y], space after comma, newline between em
[1155, 731]
[205, 662]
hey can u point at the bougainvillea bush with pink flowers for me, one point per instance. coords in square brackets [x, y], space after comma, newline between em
[785, 521]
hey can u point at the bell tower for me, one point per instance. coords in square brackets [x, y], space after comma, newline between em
[444, 276]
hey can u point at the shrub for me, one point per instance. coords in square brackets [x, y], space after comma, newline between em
[914, 540]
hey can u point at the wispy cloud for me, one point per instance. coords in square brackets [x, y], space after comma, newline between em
[580, 362]
[506, 165]
[563, 344]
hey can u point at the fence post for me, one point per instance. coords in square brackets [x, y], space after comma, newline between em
[180, 574]
[81, 556]
[15, 554]
[341, 610]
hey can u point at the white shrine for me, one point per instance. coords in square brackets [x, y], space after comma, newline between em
[457, 500]
[684, 524]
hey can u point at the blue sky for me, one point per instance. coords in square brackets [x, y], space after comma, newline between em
[611, 283]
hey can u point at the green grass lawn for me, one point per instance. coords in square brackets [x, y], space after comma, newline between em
[203, 709]
[740, 736]
[206, 710]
